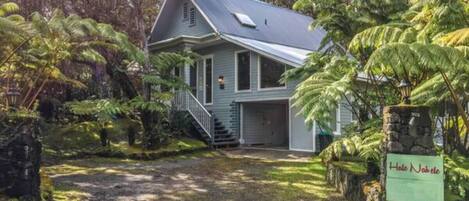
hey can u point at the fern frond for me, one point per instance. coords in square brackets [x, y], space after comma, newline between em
[456, 38]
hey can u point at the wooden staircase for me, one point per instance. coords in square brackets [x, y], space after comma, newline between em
[205, 122]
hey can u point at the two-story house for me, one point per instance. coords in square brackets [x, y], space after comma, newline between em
[245, 47]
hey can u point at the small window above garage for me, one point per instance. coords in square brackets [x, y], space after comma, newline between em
[245, 20]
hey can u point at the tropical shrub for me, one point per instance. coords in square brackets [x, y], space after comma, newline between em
[456, 177]
[365, 145]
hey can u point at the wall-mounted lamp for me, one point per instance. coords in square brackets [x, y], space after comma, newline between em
[406, 88]
[12, 95]
[221, 81]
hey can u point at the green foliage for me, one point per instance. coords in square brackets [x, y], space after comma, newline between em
[365, 145]
[103, 110]
[75, 138]
[58, 48]
[330, 78]
[344, 19]
[456, 177]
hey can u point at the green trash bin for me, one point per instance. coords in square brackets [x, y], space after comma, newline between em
[325, 139]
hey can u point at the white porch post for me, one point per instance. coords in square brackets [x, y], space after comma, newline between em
[187, 67]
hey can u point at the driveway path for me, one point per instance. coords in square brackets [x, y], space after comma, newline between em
[235, 175]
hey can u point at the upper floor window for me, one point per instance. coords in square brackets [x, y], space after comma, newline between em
[192, 17]
[185, 11]
[243, 71]
[270, 73]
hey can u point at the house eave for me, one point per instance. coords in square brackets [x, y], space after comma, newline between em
[263, 53]
[184, 39]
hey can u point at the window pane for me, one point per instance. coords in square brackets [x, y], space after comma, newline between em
[271, 72]
[193, 79]
[177, 72]
[244, 77]
[333, 123]
[184, 10]
[208, 80]
[192, 17]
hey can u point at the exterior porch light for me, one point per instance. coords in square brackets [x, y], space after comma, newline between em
[405, 87]
[221, 81]
[12, 95]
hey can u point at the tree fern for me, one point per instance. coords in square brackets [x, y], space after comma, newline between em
[456, 38]
[373, 38]
[8, 8]
[320, 94]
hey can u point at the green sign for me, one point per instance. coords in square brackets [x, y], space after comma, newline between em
[414, 178]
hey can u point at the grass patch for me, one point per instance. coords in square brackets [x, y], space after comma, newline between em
[358, 168]
[69, 193]
[175, 144]
[68, 140]
[82, 139]
[300, 181]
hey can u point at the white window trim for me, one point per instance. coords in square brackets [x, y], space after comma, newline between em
[205, 78]
[338, 122]
[259, 88]
[236, 71]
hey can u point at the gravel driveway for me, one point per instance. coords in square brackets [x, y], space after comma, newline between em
[239, 174]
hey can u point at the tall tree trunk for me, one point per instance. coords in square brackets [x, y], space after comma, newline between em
[460, 108]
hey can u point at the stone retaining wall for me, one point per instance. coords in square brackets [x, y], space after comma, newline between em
[20, 159]
[352, 186]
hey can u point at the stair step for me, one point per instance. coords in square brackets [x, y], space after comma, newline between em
[223, 134]
[220, 132]
[225, 143]
[219, 127]
[225, 139]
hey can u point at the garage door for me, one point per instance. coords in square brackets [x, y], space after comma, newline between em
[265, 124]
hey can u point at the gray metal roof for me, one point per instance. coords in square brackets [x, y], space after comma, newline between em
[273, 24]
[289, 55]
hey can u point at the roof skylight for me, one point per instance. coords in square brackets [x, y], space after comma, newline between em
[245, 20]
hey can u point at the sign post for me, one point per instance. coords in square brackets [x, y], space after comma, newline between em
[414, 178]
[411, 171]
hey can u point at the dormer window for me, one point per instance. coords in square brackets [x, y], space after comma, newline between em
[192, 17]
[185, 11]
[245, 20]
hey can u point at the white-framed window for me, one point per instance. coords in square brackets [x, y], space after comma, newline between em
[335, 123]
[269, 74]
[192, 15]
[242, 71]
[208, 80]
[185, 11]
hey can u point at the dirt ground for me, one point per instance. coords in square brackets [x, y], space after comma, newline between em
[235, 175]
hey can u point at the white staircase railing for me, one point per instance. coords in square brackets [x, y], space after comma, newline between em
[185, 101]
